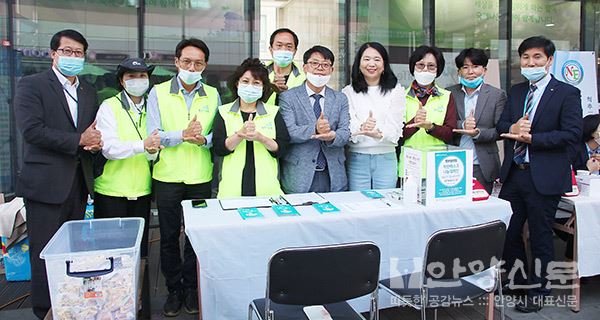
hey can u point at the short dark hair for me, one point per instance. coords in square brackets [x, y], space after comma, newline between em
[326, 53]
[590, 124]
[420, 53]
[284, 30]
[477, 57]
[388, 80]
[67, 33]
[258, 71]
[537, 42]
[192, 42]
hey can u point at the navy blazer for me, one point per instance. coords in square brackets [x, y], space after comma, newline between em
[556, 125]
[51, 151]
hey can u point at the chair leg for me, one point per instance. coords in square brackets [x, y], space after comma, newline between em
[500, 294]
[374, 312]
[434, 314]
[250, 312]
[489, 310]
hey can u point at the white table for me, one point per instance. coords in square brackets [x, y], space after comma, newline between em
[233, 253]
[583, 224]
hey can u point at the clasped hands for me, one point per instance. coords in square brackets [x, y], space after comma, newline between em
[520, 131]
[369, 128]
[248, 131]
[91, 139]
[193, 133]
[323, 130]
[420, 119]
[469, 126]
[152, 143]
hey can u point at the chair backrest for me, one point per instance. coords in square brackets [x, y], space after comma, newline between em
[460, 252]
[323, 274]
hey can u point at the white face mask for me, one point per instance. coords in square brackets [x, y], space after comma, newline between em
[190, 77]
[137, 87]
[424, 78]
[317, 80]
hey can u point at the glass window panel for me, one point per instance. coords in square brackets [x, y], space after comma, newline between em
[396, 24]
[6, 171]
[308, 19]
[558, 20]
[464, 24]
[109, 26]
[223, 25]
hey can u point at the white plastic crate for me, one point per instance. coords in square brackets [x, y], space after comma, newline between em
[93, 269]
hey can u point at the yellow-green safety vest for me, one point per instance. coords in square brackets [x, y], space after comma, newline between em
[126, 177]
[295, 79]
[436, 107]
[186, 162]
[266, 166]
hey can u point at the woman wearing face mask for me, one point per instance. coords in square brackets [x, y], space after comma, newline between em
[430, 111]
[586, 154]
[250, 135]
[376, 104]
[123, 182]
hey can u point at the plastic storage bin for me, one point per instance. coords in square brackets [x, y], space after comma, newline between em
[93, 269]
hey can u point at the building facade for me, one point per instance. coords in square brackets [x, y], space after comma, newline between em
[237, 29]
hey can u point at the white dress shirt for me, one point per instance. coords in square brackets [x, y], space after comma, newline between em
[537, 96]
[106, 123]
[312, 100]
[70, 92]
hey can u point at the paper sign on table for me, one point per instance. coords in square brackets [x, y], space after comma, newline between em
[249, 213]
[372, 194]
[325, 207]
[284, 210]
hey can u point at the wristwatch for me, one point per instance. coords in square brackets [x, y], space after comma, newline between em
[431, 130]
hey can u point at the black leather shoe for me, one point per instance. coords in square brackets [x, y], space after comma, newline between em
[530, 304]
[513, 292]
[190, 301]
[172, 307]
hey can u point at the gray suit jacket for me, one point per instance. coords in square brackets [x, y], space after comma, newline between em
[490, 104]
[298, 165]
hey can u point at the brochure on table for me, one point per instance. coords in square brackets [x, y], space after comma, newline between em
[445, 172]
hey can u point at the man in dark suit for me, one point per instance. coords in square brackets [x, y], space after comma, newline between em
[478, 108]
[541, 119]
[55, 113]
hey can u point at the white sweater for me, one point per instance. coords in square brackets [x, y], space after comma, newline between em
[388, 111]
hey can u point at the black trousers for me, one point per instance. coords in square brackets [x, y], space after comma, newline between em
[178, 274]
[115, 207]
[539, 211]
[43, 220]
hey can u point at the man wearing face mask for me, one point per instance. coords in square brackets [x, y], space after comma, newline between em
[124, 185]
[478, 107]
[182, 110]
[284, 73]
[55, 111]
[318, 123]
[542, 118]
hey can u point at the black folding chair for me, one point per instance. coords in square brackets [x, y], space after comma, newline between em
[450, 256]
[319, 275]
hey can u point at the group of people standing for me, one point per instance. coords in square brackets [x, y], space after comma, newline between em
[285, 131]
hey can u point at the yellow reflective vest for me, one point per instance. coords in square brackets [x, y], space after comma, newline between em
[186, 162]
[266, 166]
[126, 177]
[295, 79]
[436, 107]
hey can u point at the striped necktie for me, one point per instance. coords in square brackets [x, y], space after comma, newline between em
[520, 147]
[321, 160]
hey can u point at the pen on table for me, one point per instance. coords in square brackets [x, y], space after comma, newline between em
[387, 203]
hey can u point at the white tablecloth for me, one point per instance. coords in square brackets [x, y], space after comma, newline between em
[588, 233]
[233, 253]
